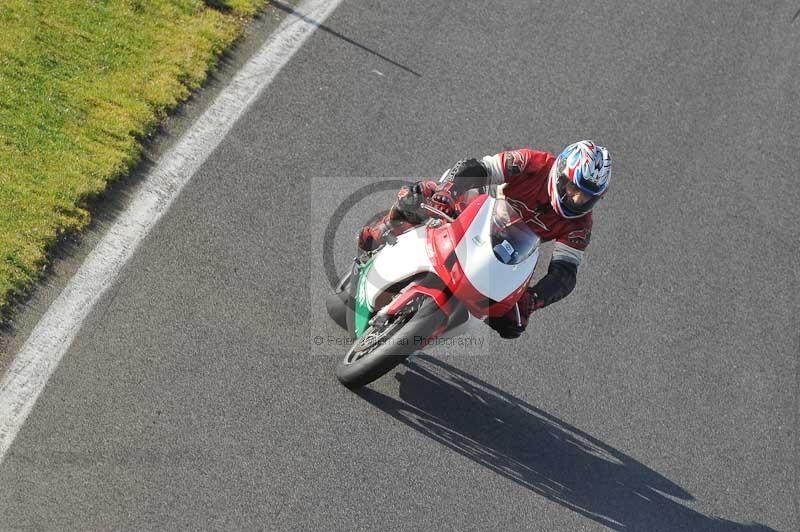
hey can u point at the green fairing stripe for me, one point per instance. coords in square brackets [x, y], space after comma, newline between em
[363, 310]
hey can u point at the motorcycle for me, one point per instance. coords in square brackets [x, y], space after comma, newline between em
[433, 280]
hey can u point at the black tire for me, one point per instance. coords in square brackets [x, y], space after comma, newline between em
[394, 349]
[340, 300]
[336, 305]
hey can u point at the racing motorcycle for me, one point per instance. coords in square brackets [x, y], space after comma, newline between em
[433, 280]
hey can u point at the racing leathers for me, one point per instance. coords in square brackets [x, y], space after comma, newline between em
[525, 173]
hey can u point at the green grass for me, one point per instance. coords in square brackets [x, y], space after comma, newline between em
[82, 82]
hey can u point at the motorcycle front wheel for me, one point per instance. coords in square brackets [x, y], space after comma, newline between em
[382, 347]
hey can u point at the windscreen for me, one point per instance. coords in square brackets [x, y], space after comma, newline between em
[512, 240]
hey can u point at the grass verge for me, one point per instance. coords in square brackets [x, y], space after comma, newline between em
[82, 83]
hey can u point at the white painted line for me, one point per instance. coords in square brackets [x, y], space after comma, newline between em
[43, 350]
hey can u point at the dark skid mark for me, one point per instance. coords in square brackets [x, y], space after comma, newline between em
[795, 16]
[288, 9]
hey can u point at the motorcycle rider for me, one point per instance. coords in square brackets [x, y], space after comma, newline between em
[555, 196]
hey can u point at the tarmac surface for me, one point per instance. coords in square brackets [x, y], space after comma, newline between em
[662, 395]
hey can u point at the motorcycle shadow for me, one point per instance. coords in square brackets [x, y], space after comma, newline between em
[541, 452]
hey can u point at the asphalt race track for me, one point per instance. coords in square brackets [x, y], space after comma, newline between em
[662, 395]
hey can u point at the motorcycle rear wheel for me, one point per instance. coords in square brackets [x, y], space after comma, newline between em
[379, 350]
[337, 304]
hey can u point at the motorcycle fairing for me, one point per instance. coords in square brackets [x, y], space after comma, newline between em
[460, 254]
[392, 264]
[489, 276]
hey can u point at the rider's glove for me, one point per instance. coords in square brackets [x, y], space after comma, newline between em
[410, 197]
[444, 199]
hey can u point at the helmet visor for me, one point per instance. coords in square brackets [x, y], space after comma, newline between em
[574, 199]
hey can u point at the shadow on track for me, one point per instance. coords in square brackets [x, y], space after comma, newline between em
[290, 10]
[540, 452]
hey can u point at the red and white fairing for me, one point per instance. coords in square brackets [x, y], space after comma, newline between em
[461, 255]
[482, 270]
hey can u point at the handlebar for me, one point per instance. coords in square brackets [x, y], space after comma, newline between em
[437, 212]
